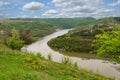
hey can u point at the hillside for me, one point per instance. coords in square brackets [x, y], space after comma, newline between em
[37, 28]
[67, 22]
[42, 26]
[59, 22]
[16, 65]
[109, 22]
[80, 39]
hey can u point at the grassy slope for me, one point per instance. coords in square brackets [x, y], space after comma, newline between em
[15, 65]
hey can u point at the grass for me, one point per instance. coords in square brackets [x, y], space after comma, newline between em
[15, 65]
[49, 57]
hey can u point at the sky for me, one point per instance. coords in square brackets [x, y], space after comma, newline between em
[59, 8]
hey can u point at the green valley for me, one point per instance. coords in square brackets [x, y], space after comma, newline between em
[59, 39]
[40, 27]
[16, 33]
[78, 41]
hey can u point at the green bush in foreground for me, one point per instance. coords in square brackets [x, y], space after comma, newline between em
[14, 41]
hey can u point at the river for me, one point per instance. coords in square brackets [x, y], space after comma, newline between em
[102, 67]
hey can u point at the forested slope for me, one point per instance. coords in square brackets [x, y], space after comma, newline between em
[81, 38]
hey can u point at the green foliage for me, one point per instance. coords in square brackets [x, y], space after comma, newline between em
[66, 60]
[40, 27]
[15, 44]
[39, 55]
[37, 28]
[105, 22]
[33, 61]
[2, 49]
[14, 41]
[74, 44]
[116, 58]
[49, 57]
[75, 65]
[26, 36]
[67, 22]
[108, 43]
[79, 40]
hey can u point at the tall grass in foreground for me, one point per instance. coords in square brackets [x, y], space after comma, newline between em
[49, 57]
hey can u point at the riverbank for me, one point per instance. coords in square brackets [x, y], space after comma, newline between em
[93, 65]
[82, 55]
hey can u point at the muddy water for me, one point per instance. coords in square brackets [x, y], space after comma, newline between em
[101, 67]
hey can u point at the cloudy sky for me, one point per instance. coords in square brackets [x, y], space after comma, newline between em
[59, 8]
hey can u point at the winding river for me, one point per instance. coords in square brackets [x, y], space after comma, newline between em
[102, 67]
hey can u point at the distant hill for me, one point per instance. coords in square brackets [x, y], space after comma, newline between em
[67, 22]
[37, 28]
[41, 26]
[60, 22]
[80, 39]
[109, 22]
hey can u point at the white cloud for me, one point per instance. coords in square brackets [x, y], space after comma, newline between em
[50, 12]
[115, 3]
[2, 16]
[67, 3]
[103, 12]
[77, 8]
[3, 3]
[15, 4]
[83, 9]
[2, 8]
[33, 6]
[36, 17]
[23, 16]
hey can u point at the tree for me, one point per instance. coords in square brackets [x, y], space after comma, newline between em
[26, 36]
[14, 41]
[107, 43]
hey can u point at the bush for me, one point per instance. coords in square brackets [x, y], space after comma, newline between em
[14, 41]
[26, 36]
[107, 43]
[15, 44]
[74, 44]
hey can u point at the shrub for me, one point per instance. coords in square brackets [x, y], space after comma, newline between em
[107, 43]
[15, 44]
[49, 57]
[14, 41]
[26, 36]
[75, 65]
[66, 60]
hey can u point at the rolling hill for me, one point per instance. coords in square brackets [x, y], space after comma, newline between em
[80, 39]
